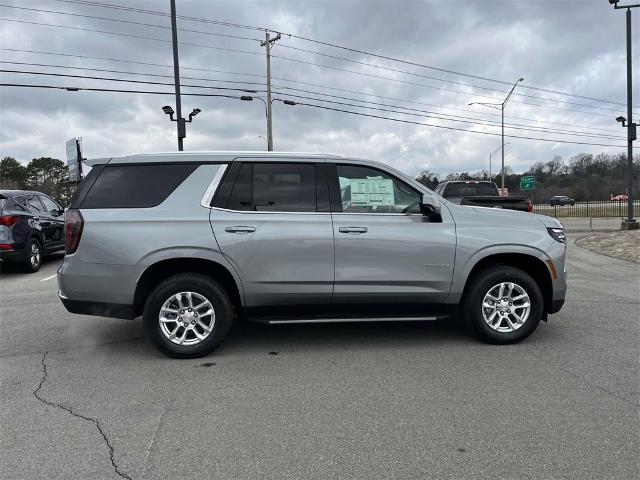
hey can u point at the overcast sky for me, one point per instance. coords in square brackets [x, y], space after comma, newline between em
[568, 46]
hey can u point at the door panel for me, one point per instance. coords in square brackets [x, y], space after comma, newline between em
[385, 250]
[53, 224]
[282, 258]
[397, 258]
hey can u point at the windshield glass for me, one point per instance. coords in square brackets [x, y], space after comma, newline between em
[470, 190]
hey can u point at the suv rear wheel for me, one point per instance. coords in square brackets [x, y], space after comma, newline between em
[504, 305]
[33, 256]
[187, 316]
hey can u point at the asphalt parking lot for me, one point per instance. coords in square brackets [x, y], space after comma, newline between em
[86, 397]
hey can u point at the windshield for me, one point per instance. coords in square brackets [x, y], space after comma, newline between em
[470, 190]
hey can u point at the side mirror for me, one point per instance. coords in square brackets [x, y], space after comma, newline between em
[430, 207]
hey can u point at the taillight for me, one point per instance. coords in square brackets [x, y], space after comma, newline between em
[73, 223]
[9, 220]
[530, 207]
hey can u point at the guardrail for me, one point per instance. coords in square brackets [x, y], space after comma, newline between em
[590, 209]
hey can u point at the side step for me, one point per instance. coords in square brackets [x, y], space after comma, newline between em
[279, 320]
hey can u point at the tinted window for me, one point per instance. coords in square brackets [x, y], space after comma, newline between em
[85, 185]
[275, 187]
[49, 205]
[470, 190]
[240, 198]
[135, 186]
[34, 204]
[367, 190]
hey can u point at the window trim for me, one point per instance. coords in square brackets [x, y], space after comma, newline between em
[336, 202]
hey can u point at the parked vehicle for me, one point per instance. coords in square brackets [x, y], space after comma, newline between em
[561, 201]
[619, 198]
[480, 193]
[193, 241]
[31, 226]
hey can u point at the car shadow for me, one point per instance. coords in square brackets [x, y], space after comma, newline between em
[12, 269]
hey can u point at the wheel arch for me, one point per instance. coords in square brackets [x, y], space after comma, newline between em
[528, 263]
[163, 269]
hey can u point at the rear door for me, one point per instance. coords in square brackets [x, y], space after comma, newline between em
[54, 230]
[386, 251]
[272, 222]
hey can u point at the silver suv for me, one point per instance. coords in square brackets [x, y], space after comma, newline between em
[193, 241]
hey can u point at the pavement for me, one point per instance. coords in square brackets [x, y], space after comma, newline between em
[86, 397]
[620, 244]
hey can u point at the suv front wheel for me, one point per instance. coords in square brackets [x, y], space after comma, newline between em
[504, 305]
[187, 316]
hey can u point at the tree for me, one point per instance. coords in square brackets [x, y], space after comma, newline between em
[49, 175]
[12, 173]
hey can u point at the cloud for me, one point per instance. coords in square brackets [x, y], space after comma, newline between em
[568, 46]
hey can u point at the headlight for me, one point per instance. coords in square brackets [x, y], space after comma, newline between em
[558, 234]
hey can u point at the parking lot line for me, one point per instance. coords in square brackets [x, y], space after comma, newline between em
[50, 277]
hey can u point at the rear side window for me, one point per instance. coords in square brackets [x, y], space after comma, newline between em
[34, 204]
[275, 187]
[470, 190]
[136, 186]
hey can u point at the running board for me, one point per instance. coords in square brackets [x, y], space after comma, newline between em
[282, 321]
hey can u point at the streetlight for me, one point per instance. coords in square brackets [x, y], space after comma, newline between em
[248, 98]
[628, 223]
[182, 130]
[500, 106]
[491, 155]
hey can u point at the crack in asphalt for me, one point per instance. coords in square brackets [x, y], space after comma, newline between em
[78, 415]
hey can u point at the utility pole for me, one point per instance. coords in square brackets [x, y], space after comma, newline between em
[268, 42]
[629, 223]
[176, 76]
[500, 106]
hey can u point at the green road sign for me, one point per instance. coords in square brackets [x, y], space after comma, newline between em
[527, 183]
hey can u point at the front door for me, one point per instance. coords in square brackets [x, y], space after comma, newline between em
[386, 251]
[275, 228]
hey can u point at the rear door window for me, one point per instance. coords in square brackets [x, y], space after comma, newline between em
[33, 203]
[274, 187]
[49, 205]
[136, 186]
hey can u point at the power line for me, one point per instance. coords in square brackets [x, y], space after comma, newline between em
[284, 45]
[280, 87]
[423, 114]
[299, 61]
[118, 60]
[451, 128]
[143, 37]
[332, 45]
[146, 74]
[130, 22]
[312, 52]
[115, 90]
[109, 79]
[75, 89]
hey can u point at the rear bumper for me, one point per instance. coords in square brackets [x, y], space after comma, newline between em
[12, 256]
[99, 309]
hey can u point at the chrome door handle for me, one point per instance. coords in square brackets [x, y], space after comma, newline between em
[240, 229]
[353, 229]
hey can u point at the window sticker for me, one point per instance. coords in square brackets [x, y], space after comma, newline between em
[372, 192]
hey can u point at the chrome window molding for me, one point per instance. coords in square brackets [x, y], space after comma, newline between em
[213, 186]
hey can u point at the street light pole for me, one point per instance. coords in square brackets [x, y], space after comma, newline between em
[629, 223]
[501, 106]
[491, 156]
[176, 76]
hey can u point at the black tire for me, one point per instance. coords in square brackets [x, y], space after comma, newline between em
[481, 284]
[188, 282]
[31, 264]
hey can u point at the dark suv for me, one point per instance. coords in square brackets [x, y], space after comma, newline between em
[31, 226]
